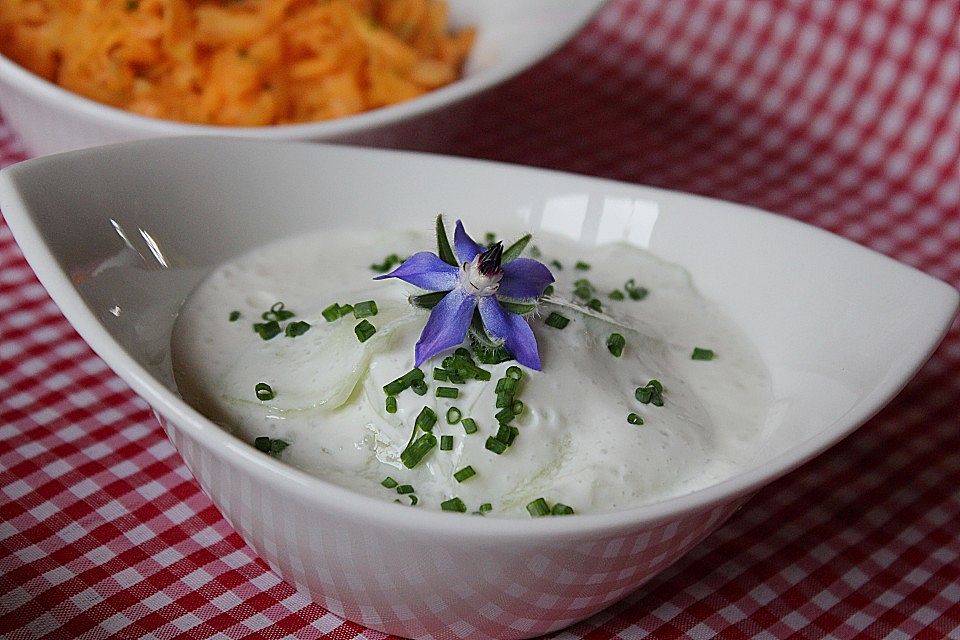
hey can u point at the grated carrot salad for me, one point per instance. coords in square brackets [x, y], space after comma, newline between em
[237, 62]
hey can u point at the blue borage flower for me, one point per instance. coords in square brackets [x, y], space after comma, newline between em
[476, 279]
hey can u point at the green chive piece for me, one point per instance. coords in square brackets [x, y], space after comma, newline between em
[507, 434]
[234, 316]
[404, 489]
[365, 309]
[404, 382]
[264, 392]
[652, 393]
[469, 425]
[497, 446]
[504, 399]
[453, 415]
[413, 500]
[364, 330]
[271, 446]
[582, 288]
[388, 262]
[582, 266]
[426, 419]
[441, 375]
[489, 237]
[517, 407]
[391, 404]
[262, 443]
[332, 312]
[485, 507]
[514, 372]
[538, 508]
[419, 387]
[556, 263]
[535, 251]
[447, 392]
[616, 294]
[454, 504]
[446, 443]
[389, 483]
[561, 509]
[464, 474]
[345, 310]
[633, 418]
[443, 244]
[556, 320]
[505, 415]
[634, 291]
[615, 344]
[595, 304]
[277, 312]
[297, 328]
[702, 354]
[267, 330]
[415, 452]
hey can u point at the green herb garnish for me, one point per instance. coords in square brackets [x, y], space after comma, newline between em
[404, 382]
[365, 309]
[234, 316]
[454, 504]
[464, 474]
[415, 451]
[582, 266]
[453, 415]
[267, 330]
[561, 509]
[447, 392]
[391, 404]
[264, 391]
[469, 425]
[702, 354]
[556, 320]
[615, 344]
[538, 508]
[389, 483]
[297, 328]
[652, 393]
[364, 330]
[425, 419]
[633, 418]
[497, 446]
[446, 443]
[271, 446]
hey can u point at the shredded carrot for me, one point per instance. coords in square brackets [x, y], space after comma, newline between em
[237, 62]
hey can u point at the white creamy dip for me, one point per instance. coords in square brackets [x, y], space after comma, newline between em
[575, 445]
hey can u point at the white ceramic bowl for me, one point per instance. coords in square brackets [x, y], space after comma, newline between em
[511, 37]
[840, 327]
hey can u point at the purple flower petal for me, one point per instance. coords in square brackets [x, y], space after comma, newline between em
[427, 271]
[524, 279]
[464, 246]
[447, 326]
[512, 329]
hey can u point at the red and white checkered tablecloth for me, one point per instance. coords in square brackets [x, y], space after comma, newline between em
[844, 114]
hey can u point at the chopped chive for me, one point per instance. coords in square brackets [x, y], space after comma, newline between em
[453, 415]
[489, 237]
[404, 382]
[702, 354]
[364, 330]
[595, 304]
[510, 385]
[454, 504]
[514, 372]
[297, 328]
[582, 266]
[492, 444]
[389, 483]
[616, 294]
[561, 509]
[504, 399]
[267, 330]
[517, 407]
[271, 446]
[425, 419]
[365, 309]
[413, 500]
[277, 312]
[415, 452]
[404, 489]
[469, 425]
[615, 344]
[345, 310]
[388, 262]
[441, 375]
[535, 251]
[538, 508]
[633, 418]
[465, 473]
[264, 391]
[331, 313]
[447, 392]
[234, 316]
[485, 507]
[634, 291]
[556, 320]
[556, 263]
[446, 443]
[652, 393]
[391, 404]
[419, 387]
[262, 443]
[505, 415]
[507, 433]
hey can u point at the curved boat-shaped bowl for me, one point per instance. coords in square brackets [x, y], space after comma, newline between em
[511, 37]
[119, 236]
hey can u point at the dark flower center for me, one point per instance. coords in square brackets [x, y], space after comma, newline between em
[490, 259]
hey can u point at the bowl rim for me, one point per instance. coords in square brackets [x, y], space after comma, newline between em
[467, 86]
[219, 443]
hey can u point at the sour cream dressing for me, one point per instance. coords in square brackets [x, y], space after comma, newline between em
[575, 445]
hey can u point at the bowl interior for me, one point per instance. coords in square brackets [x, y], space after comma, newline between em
[120, 235]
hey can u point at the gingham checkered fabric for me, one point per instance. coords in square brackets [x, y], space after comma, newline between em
[844, 114]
